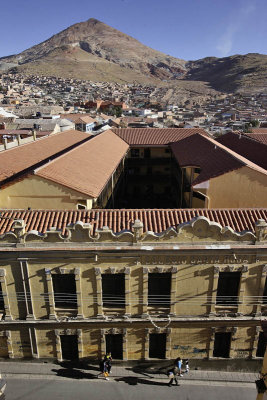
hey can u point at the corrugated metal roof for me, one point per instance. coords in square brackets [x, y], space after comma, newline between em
[156, 220]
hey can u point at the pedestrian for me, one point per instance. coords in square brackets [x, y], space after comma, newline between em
[108, 360]
[172, 374]
[178, 364]
[103, 369]
[186, 363]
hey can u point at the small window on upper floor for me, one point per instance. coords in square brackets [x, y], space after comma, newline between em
[64, 286]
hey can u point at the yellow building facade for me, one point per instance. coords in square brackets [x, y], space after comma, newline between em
[139, 294]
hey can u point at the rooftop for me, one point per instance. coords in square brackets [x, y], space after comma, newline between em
[28, 156]
[88, 167]
[156, 220]
[155, 136]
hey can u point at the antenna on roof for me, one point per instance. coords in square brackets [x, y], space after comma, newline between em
[240, 135]
[215, 147]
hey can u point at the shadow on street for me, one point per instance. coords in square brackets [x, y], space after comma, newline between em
[73, 373]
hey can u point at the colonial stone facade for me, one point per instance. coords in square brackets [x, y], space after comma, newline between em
[194, 291]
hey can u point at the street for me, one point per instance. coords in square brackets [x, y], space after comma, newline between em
[69, 389]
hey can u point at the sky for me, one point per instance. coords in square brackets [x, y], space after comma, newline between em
[187, 29]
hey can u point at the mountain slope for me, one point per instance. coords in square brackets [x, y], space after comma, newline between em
[235, 73]
[99, 39]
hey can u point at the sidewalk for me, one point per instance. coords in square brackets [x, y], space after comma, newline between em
[66, 370]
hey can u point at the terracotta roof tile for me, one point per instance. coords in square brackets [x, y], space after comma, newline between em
[259, 130]
[156, 220]
[247, 147]
[260, 137]
[210, 156]
[21, 158]
[154, 136]
[88, 167]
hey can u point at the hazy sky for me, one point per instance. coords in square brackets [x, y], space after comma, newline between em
[188, 29]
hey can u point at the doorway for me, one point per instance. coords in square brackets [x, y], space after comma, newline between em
[222, 344]
[69, 347]
[114, 346]
[157, 345]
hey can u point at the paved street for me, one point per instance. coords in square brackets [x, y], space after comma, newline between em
[69, 389]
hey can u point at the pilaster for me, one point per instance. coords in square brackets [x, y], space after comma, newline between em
[50, 294]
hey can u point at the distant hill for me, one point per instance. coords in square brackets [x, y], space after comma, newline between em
[92, 50]
[235, 73]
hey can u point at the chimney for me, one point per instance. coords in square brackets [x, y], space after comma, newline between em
[138, 229]
[34, 134]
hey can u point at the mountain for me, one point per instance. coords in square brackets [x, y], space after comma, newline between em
[92, 50]
[93, 44]
[229, 74]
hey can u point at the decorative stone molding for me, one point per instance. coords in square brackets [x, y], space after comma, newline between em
[148, 331]
[59, 332]
[199, 229]
[213, 330]
[261, 230]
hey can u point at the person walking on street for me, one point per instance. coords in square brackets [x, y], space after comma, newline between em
[103, 370]
[178, 364]
[186, 362]
[172, 373]
[108, 360]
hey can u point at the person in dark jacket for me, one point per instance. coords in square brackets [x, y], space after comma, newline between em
[108, 361]
[172, 374]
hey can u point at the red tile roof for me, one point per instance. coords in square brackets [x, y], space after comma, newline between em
[210, 156]
[156, 220]
[88, 167]
[259, 130]
[154, 136]
[28, 156]
[246, 146]
[260, 137]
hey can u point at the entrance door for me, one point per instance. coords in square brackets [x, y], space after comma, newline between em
[222, 344]
[157, 345]
[114, 346]
[69, 347]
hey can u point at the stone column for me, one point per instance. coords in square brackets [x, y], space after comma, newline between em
[127, 272]
[174, 271]
[145, 292]
[102, 343]
[168, 343]
[147, 331]
[50, 293]
[241, 305]
[255, 341]
[58, 345]
[216, 272]
[99, 293]
[259, 301]
[8, 316]
[78, 282]
[9, 344]
[80, 343]
[124, 345]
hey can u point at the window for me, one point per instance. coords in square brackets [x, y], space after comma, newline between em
[167, 150]
[261, 345]
[69, 347]
[197, 170]
[2, 303]
[135, 153]
[64, 286]
[159, 289]
[157, 345]
[228, 286]
[222, 344]
[113, 290]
